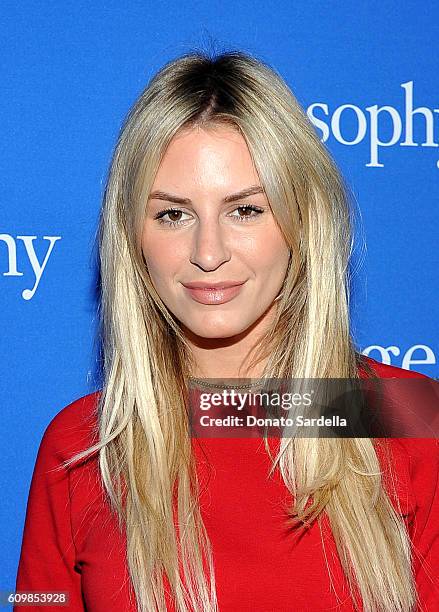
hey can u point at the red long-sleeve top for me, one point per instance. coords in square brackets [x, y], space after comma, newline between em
[72, 543]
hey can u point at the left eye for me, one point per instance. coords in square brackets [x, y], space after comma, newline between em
[247, 210]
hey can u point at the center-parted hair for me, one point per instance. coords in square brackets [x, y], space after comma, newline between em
[144, 445]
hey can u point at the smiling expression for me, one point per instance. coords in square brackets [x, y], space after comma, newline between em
[213, 249]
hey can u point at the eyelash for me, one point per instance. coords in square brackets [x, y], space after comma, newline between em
[159, 216]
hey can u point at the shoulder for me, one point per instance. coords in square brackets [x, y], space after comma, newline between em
[419, 455]
[72, 429]
[383, 370]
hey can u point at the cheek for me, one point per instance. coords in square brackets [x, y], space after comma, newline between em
[166, 256]
[160, 259]
[161, 269]
[267, 251]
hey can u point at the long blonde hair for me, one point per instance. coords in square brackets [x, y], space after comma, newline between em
[144, 447]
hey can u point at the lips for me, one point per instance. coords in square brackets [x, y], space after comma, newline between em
[212, 285]
[213, 293]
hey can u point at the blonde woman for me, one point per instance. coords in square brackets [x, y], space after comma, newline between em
[224, 243]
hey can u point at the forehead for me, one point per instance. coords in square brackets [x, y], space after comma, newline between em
[214, 155]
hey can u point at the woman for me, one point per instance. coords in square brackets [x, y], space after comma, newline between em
[224, 242]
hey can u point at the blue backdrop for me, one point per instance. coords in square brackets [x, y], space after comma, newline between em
[367, 73]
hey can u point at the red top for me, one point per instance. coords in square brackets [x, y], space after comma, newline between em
[71, 541]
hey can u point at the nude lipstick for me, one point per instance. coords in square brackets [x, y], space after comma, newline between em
[213, 293]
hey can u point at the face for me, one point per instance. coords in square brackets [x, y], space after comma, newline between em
[211, 244]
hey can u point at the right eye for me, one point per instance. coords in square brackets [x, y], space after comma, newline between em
[174, 215]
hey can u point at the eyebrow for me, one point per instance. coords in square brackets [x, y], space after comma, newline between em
[169, 197]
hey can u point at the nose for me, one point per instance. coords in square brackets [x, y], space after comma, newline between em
[210, 248]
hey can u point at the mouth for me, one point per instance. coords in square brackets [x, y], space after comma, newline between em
[215, 293]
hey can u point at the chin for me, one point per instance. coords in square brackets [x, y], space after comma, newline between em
[216, 327]
[216, 332]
